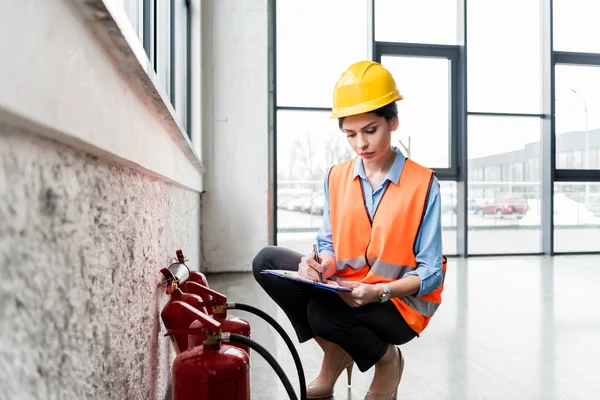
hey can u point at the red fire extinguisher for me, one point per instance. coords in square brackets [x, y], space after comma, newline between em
[219, 303]
[196, 283]
[171, 317]
[193, 276]
[214, 370]
[211, 370]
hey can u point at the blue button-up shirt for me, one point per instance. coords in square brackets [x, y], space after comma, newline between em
[429, 242]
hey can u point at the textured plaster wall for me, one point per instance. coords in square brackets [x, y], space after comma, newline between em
[235, 138]
[81, 243]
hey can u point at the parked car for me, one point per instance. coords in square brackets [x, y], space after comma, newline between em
[473, 207]
[299, 204]
[316, 206]
[502, 207]
[307, 204]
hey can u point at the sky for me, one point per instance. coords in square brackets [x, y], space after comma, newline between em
[318, 40]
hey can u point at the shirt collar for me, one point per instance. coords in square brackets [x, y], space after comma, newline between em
[393, 174]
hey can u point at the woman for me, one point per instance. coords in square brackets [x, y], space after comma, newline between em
[381, 236]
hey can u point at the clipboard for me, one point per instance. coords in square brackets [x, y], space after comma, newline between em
[293, 276]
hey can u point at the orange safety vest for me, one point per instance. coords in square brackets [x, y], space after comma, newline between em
[382, 250]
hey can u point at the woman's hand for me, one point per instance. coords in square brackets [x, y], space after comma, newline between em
[309, 268]
[361, 294]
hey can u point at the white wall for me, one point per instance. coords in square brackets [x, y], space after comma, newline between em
[235, 153]
[54, 82]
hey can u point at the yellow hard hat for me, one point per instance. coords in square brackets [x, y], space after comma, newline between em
[365, 86]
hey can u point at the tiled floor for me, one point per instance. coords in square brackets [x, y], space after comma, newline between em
[508, 328]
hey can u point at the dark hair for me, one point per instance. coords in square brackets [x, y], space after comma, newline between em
[388, 112]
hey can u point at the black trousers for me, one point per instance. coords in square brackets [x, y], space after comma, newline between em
[363, 332]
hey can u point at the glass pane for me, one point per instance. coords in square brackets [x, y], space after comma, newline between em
[504, 185]
[504, 56]
[576, 25]
[163, 45]
[448, 193]
[576, 216]
[308, 143]
[424, 112]
[433, 21]
[181, 79]
[316, 42]
[135, 12]
[577, 117]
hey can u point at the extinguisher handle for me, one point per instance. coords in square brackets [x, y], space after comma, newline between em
[180, 257]
[218, 298]
[207, 322]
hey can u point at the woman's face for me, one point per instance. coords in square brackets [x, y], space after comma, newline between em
[369, 135]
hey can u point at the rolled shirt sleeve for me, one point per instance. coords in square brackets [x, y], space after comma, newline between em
[428, 248]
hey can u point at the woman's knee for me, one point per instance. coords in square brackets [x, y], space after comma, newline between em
[262, 260]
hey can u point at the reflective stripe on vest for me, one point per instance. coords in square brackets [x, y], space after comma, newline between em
[382, 250]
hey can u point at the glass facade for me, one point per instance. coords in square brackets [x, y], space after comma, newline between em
[497, 102]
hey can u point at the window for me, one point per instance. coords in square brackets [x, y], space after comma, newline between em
[576, 25]
[504, 52]
[504, 216]
[164, 53]
[448, 193]
[576, 216]
[313, 48]
[425, 110]
[308, 143]
[433, 21]
[135, 12]
[577, 115]
[163, 29]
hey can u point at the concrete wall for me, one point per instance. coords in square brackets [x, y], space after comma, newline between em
[235, 137]
[96, 193]
[81, 242]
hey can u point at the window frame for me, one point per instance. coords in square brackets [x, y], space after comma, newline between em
[447, 52]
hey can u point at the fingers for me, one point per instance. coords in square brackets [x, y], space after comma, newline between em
[325, 264]
[310, 261]
[306, 271]
[347, 283]
[350, 302]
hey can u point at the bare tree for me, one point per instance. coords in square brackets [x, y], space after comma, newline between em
[336, 150]
[405, 147]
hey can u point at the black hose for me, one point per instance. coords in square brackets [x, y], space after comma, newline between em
[284, 335]
[234, 337]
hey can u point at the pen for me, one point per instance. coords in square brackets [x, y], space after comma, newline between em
[316, 256]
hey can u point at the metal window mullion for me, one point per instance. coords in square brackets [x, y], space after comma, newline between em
[462, 183]
[272, 118]
[577, 175]
[371, 27]
[172, 42]
[503, 114]
[188, 80]
[155, 36]
[548, 150]
[302, 108]
[417, 50]
[563, 57]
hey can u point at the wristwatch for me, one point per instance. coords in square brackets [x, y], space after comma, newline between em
[386, 293]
